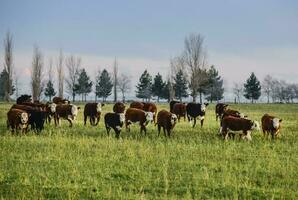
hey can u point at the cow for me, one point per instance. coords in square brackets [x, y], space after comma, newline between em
[172, 103]
[59, 100]
[167, 121]
[24, 98]
[66, 111]
[137, 104]
[17, 119]
[180, 110]
[231, 123]
[37, 116]
[219, 110]
[119, 107]
[233, 113]
[50, 109]
[195, 110]
[114, 121]
[150, 107]
[134, 115]
[271, 125]
[93, 111]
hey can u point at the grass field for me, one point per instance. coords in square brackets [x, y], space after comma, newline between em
[84, 163]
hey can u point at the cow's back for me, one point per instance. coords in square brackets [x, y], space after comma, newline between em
[137, 104]
[134, 115]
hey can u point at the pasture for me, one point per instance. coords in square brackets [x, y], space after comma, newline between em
[84, 163]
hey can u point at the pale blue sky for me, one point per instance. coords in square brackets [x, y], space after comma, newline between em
[241, 36]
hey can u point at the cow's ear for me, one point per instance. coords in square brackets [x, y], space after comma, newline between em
[280, 120]
[206, 104]
[79, 107]
[102, 104]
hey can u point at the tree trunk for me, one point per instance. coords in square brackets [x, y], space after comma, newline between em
[200, 98]
[268, 98]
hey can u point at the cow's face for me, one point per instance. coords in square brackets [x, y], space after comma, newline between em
[53, 107]
[121, 117]
[255, 125]
[98, 107]
[203, 108]
[149, 116]
[74, 111]
[173, 119]
[24, 117]
[276, 122]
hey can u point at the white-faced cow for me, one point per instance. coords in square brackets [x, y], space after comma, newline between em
[119, 107]
[167, 121]
[66, 111]
[219, 110]
[17, 119]
[114, 121]
[134, 115]
[93, 111]
[195, 110]
[271, 125]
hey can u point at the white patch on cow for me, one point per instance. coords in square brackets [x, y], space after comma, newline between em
[118, 128]
[74, 111]
[255, 126]
[70, 117]
[241, 115]
[275, 123]
[53, 107]
[24, 118]
[202, 118]
[220, 131]
[203, 107]
[173, 119]
[121, 117]
[149, 116]
[98, 107]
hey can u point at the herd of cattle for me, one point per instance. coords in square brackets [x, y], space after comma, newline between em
[26, 113]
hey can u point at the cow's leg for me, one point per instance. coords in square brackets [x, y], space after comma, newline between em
[178, 116]
[164, 131]
[202, 120]
[91, 120]
[272, 135]
[194, 122]
[85, 120]
[169, 132]
[216, 117]
[158, 127]
[117, 133]
[184, 118]
[98, 119]
[70, 122]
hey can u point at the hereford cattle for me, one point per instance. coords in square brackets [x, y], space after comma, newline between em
[17, 119]
[167, 121]
[271, 125]
[119, 107]
[66, 111]
[93, 111]
[219, 110]
[172, 103]
[134, 115]
[150, 107]
[137, 104]
[24, 98]
[233, 113]
[114, 121]
[180, 110]
[195, 110]
[37, 116]
[231, 123]
[50, 110]
[59, 100]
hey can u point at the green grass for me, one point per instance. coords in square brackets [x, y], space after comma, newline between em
[84, 163]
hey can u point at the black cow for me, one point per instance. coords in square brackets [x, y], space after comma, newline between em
[195, 110]
[24, 98]
[114, 121]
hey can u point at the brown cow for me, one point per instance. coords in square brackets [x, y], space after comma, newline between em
[93, 111]
[66, 111]
[17, 119]
[134, 115]
[180, 110]
[59, 100]
[233, 113]
[167, 121]
[231, 123]
[172, 103]
[219, 110]
[137, 104]
[271, 124]
[150, 107]
[119, 107]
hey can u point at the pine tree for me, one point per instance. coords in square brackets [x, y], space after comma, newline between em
[215, 88]
[252, 88]
[180, 85]
[84, 85]
[3, 81]
[49, 90]
[158, 86]
[144, 87]
[104, 85]
[166, 91]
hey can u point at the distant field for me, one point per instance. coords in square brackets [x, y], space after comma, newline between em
[84, 163]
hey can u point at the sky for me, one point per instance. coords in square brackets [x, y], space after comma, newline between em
[240, 36]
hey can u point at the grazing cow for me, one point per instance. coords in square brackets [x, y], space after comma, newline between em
[59, 100]
[93, 111]
[172, 103]
[150, 107]
[219, 110]
[119, 107]
[167, 121]
[50, 109]
[231, 123]
[17, 119]
[114, 121]
[134, 115]
[137, 104]
[66, 111]
[37, 116]
[233, 113]
[180, 110]
[271, 124]
[195, 110]
[24, 98]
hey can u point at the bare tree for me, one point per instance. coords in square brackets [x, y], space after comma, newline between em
[267, 86]
[238, 91]
[8, 66]
[37, 74]
[73, 65]
[124, 83]
[115, 78]
[16, 83]
[60, 73]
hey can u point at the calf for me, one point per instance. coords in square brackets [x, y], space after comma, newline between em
[24, 98]
[93, 111]
[66, 111]
[17, 119]
[172, 103]
[167, 121]
[195, 110]
[119, 107]
[134, 115]
[51, 110]
[219, 110]
[150, 107]
[114, 121]
[238, 124]
[180, 110]
[59, 100]
[271, 124]
[137, 104]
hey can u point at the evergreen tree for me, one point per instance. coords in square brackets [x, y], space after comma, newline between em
[158, 86]
[166, 91]
[215, 88]
[252, 88]
[84, 85]
[49, 90]
[3, 84]
[104, 85]
[180, 85]
[144, 87]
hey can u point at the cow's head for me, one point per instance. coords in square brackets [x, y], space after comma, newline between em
[53, 107]
[149, 116]
[74, 111]
[242, 115]
[24, 117]
[255, 125]
[276, 125]
[173, 119]
[121, 117]
[98, 107]
[203, 107]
